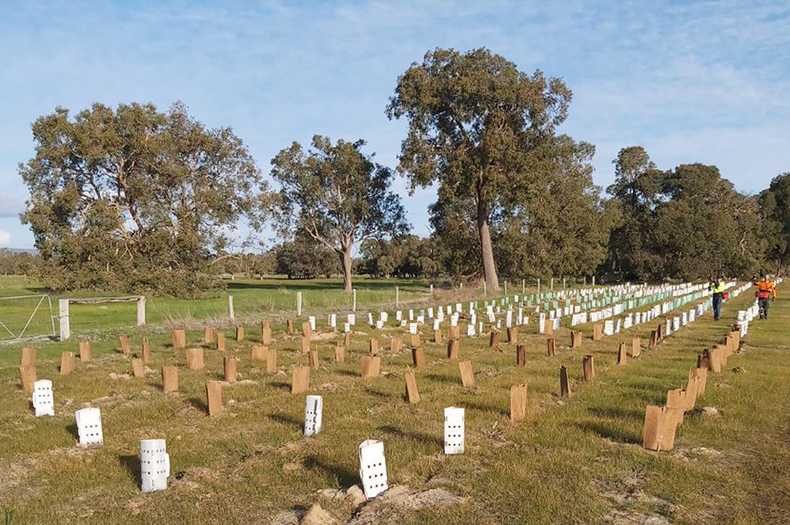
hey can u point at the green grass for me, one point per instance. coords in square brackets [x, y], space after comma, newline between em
[573, 461]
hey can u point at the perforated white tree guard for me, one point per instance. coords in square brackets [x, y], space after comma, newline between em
[89, 426]
[372, 468]
[154, 464]
[313, 415]
[453, 430]
[43, 402]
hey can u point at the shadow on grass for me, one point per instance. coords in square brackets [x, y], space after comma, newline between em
[199, 404]
[287, 420]
[411, 434]
[343, 477]
[132, 465]
[72, 429]
[282, 385]
[444, 378]
[484, 408]
[610, 412]
[609, 432]
[377, 393]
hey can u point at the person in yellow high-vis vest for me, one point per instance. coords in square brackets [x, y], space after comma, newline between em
[717, 287]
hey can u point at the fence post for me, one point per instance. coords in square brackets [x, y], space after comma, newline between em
[231, 312]
[397, 296]
[354, 293]
[298, 304]
[141, 311]
[63, 317]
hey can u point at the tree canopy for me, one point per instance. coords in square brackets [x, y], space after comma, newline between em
[135, 199]
[337, 195]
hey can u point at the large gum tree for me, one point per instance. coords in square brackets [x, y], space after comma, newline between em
[479, 127]
[337, 195]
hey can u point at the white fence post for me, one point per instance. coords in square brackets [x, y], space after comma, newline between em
[298, 304]
[63, 317]
[230, 308]
[141, 311]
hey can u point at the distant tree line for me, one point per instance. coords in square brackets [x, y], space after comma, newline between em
[135, 199]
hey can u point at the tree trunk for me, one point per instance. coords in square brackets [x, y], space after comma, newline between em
[489, 266]
[345, 264]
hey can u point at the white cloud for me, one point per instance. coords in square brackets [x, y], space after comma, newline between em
[5, 238]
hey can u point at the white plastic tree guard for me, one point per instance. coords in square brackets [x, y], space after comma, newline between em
[372, 468]
[453, 430]
[154, 464]
[89, 426]
[43, 401]
[313, 415]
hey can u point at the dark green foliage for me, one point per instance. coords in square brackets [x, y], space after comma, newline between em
[404, 256]
[134, 199]
[303, 258]
[775, 213]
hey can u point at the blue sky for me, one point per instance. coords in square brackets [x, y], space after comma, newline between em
[690, 81]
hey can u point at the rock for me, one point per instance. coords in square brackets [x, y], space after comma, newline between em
[355, 495]
[331, 493]
[389, 507]
[738, 370]
[318, 516]
[286, 517]
[710, 412]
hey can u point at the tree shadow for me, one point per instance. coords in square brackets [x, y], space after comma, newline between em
[377, 393]
[287, 420]
[132, 465]
[608, 432]
[411, 434]
[281, 385]
[343, 476]
[444, 378]
[610, 412]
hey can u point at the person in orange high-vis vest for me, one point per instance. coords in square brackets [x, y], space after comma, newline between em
[765, 292]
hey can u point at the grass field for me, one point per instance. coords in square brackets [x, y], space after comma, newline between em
[572, 461]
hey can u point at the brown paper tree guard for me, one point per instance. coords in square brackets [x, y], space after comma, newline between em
[415, 340]
[467, 375]
[576, 338]
[453, 349]
[692, 387]
[239, 333]
[266, 333]
[124, 340]
[660, 426]
[66, 363]
[636, 347]
[307, 330]
[340, 354]
[521, 355]
[137, 367]
[146, 351]
[551, 347]
[653, 339]
[28, 357]
[179, 338]
[194, 358]
[597, 332]
[373, 347]
[230, 364]
[305, 344]
[85, 351]
[347, 339]
[588, 365]
[715, 359]
[548, 326]
[313, 358]
[621, 354]
[418, 357]
[703, 360]
[220, 342]
[395, 345]
[518, 402]
[169, 379]
[702, 375]
[300, 380]
[676, 399]
[493, 340]
[512, 334]
[214, 397]
[258, 353]
[437, 337]
[412, 394]
[370, 366]
[208, 335]
[289, 327]
[27, 376]
[659, 332]
[454, 332]
[271, 361]
[565, 386]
